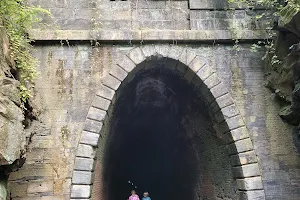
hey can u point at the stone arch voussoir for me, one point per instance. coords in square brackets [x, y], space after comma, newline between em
[243, 158]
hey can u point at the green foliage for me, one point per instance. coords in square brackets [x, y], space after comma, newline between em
[283, 10]
[288, 11]
[255, 47]
[18, 17]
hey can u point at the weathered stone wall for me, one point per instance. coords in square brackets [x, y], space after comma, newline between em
[147, 14]
[273, 139]
[70, 75]
[63, 99]
[124, 15]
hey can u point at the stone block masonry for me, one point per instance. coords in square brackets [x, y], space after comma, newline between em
[147, 15]
[79, 83]
[226, 20]
[97, 66]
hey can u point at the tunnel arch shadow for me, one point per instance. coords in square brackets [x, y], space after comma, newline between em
[228, 123]
[153, 142]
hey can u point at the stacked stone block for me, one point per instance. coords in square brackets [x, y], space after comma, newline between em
[79, 84]
[248, 176]
[233, 20]
[97, 61]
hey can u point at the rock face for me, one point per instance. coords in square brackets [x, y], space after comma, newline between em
[3, 192]
[12, 136]
[294, 25]
[284, 78]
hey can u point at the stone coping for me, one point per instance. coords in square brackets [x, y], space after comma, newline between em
[147, 35]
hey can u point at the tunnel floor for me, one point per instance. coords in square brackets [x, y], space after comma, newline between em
[161, 140]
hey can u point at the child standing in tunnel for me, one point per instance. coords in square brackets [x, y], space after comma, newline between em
[134, 196]
[146, 196]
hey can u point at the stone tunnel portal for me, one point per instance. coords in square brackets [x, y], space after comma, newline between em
[162, 140]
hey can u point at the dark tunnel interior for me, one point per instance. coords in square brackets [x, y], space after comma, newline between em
[149, 146]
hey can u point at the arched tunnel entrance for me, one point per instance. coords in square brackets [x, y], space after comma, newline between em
[162, 140]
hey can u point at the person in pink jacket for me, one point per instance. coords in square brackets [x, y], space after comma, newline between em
[134, 196]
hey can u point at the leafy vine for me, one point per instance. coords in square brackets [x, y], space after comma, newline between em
[276, 10]
[18, 17]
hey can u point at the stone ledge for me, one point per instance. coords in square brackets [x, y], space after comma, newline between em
[146, 35]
